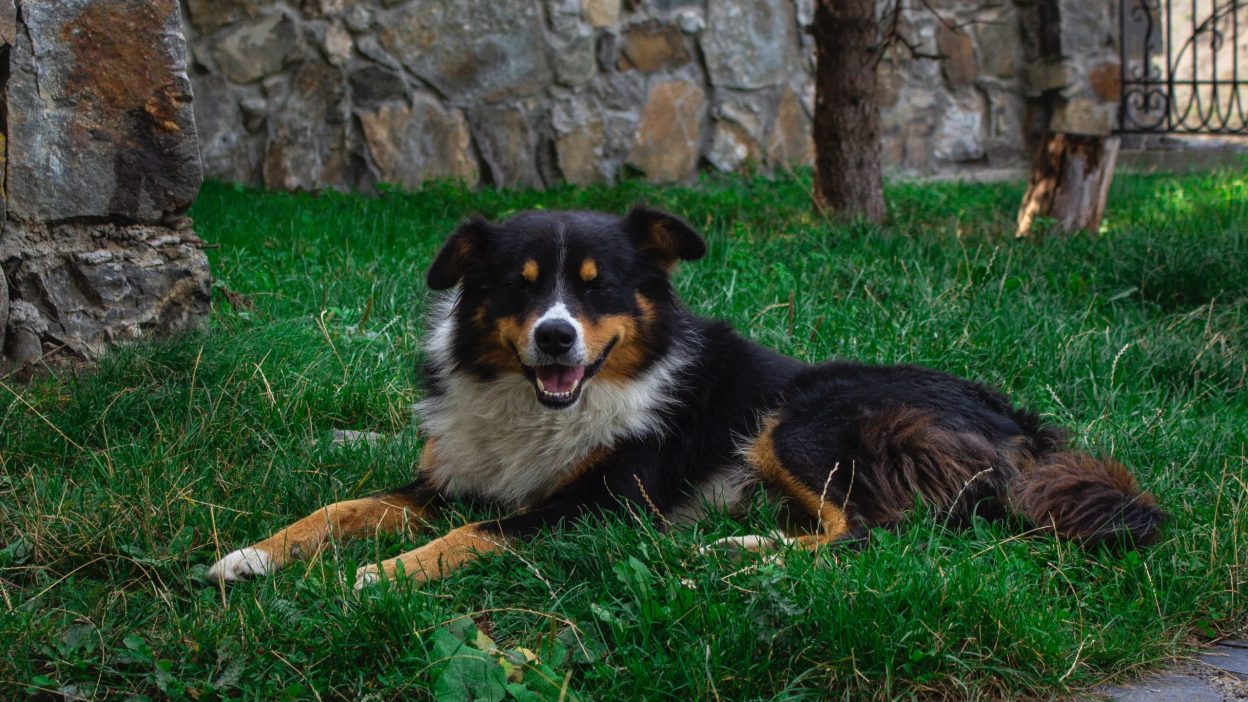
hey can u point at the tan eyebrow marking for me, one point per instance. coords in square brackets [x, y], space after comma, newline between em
[529, 272]
[589, 270]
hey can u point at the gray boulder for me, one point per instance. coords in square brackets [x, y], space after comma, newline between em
[488, 51]
[754, 44]
[99, 107]
[85, 287]
[102, 158]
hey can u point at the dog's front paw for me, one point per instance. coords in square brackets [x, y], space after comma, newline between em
[368, 575]
[754, 543]
[242, 564]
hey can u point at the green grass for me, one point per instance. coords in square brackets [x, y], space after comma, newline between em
[119, 487]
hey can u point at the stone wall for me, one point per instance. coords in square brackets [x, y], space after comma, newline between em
[100, 160]
[309, 94]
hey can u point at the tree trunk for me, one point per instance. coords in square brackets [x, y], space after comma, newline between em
[847, 115]
[1069, 184]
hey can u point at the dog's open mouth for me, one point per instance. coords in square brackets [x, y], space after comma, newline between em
[559, 385]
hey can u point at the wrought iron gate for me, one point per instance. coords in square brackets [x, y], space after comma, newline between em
[1184, 66]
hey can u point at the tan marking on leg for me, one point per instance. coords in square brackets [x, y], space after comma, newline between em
[529, 271]
[832, 520]
[309, 536]
[436, 559]
[589, 270]
[342, 520]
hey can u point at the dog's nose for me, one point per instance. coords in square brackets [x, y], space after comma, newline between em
[555, 336]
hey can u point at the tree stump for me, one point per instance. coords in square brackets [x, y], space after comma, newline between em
[848, 180]
[1069, 184]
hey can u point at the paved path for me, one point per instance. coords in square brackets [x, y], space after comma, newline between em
[1219, 674]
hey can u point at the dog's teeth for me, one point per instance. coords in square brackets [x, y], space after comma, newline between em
[557, 395]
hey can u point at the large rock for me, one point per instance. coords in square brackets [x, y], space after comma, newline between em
[508, 146]
[961, 134]
[4, 311]
[576, 63]
[753, 43]
[373, 85]
[1082, 114]
[1088, 105]
[3, 169]
[601, 13]
[650, 48]
[99, 109]
[253, 50]
[409, 145]
[228, 151]
[1005, 135]
[307, 138]
[740, 128]
[669, 137]
[908, 131]
[791, 142]
[490, 51]
[579, 153]
[958, 50]
[84, 287]
[579, 141]
[207, 15]
[732, 147]
[1231, 659]
[8, 22]
[1000, 48]
[337, 43]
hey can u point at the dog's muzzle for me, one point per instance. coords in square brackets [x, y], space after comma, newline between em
[559, 385]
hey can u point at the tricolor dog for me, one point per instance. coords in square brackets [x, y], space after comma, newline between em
[566, 379]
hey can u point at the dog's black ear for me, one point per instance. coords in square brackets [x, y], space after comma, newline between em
[663, 237]
[464, 247]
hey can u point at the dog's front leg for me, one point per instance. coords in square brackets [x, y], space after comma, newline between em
[466, 544]
[439, 557]
[366, 516]
[589, 493]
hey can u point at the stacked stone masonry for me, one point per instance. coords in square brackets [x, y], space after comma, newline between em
[100, 158]
[347, 94]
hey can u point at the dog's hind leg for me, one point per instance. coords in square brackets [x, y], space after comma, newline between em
[833, 518]
[388, 512]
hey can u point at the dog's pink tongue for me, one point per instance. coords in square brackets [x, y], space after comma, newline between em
[556, 378]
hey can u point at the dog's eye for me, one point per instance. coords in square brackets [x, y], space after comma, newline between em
[598, 288]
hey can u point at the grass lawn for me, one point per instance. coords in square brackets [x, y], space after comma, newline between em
[119, 487]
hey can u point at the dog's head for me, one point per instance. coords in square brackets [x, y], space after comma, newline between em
[563, 297]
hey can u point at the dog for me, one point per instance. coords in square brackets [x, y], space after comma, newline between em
[565, 379]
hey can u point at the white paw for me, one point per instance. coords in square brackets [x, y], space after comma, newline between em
[752, 542]
[366, 576]
[241, 564]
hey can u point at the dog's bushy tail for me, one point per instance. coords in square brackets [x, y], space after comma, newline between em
[1092, 500]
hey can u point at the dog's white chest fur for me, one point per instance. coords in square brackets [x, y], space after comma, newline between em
[494, 440]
